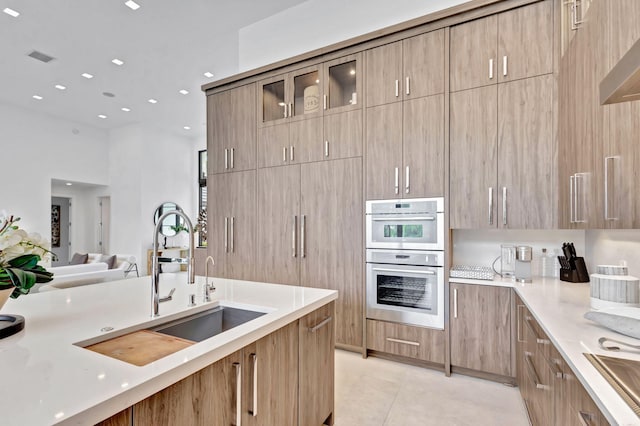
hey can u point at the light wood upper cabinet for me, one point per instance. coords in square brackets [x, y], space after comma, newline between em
[481, 328]
[383, 136]
[231, 130]
[331, 239]
[404, 70]
[273, 145]
[511, 45]
[342, 135]
[474, 53]
[526, 154]
[232, 224]
[343, 84]
[278, 225]
[473, 160]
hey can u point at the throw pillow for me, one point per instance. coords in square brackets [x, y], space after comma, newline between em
[109, 260]
[79, 259]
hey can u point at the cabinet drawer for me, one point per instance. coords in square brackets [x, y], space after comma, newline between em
[414, 342]
[583, 409]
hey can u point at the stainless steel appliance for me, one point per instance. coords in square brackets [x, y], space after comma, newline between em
[406, 224]
[405, 260]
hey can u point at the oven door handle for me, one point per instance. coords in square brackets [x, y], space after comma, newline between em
[404, 271]
[403, 219]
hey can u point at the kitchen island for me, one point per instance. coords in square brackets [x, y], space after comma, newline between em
[558, 308]
[49, 378]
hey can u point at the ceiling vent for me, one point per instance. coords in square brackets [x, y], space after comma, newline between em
[42, 57]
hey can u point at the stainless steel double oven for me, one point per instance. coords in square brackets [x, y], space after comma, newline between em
[405, 261]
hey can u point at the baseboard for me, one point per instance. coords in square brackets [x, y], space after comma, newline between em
[505, 380]
[406, 360]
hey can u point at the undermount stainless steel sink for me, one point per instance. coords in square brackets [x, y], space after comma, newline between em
[207, 324]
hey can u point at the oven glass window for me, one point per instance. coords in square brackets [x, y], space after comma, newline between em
[410, 292]
[403, 231]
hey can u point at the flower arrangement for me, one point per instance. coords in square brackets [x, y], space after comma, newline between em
[20, 253]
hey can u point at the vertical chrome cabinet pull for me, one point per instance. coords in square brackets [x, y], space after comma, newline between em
[406, 183]
[324, 101]
[238, 369]
[303, 225]
[455, 303]
[397, 186]
[233, 151]
[226, 235]
[284, 154]
[504, 206]
[397, 88]
[490, 69]
[407, 89]
[290, 110]
[293, 238]
[519, 319]
[285, 110]
[254, 408]
[226, 158]
[231, 236]
[491, 205]
[291, 156]
[572, 179]
[326, 148]
[606, 188]
[504, 65]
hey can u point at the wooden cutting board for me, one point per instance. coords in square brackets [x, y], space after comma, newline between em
[140, 347]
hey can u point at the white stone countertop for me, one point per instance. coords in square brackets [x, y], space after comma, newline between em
[559, 307]
[47, 379]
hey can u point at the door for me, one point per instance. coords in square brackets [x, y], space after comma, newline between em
[273, 145]
[231, 129]
[423, 65]
[473, 163]
[60, 230]
[316, 351]
[232, 226]
[306, 93]
[343, 84]
[473, 54]
[331, 239]
[278, 223]
[525, 42]
[104, 226]
[384, 72]
[526, 154]
[383, 138]
[305, 141]
[423, 147]
[270, 379]
[342, 135]
[481, 328]
[273, 101]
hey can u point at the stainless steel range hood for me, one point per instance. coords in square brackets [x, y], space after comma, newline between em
[622, 84]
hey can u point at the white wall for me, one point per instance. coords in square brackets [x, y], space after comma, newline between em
[318, 23]
[37, 148]
[611, 247]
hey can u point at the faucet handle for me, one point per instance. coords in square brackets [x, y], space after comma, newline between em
[169, 297]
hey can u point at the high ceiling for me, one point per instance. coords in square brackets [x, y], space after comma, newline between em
[166, 47]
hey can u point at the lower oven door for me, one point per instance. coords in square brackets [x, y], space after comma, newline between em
[406, 294]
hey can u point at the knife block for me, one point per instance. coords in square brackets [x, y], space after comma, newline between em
[576, 273]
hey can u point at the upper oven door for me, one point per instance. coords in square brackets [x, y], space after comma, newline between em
[423, 231]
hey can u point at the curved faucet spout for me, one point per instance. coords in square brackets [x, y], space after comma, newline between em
[155, 270]
[208, 288]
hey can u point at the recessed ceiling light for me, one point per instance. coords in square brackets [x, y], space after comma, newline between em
[125, 109]
[187, 128]
[11, 12]
[102, 116]
[117, 61]
[132, 5]
[38, 97]
[60, 87]
[152, 101]
[184, 92]
[68, 184]
[208, 74]
[87, 75]
[108, 94]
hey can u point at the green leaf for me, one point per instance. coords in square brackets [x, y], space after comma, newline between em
[26, 261]
[21, 279]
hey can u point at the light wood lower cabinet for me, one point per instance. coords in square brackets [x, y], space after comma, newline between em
[421, 343]
[480, 326]
[551, 392]
[285, 378]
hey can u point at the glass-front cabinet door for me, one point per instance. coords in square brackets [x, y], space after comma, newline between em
[343, 84]
[293, 96]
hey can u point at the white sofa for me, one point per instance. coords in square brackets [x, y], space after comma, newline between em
[93, 272]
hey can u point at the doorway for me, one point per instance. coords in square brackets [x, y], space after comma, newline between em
[104, 224]
[60, 230]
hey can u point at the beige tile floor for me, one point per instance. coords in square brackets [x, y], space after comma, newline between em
[376, 392]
